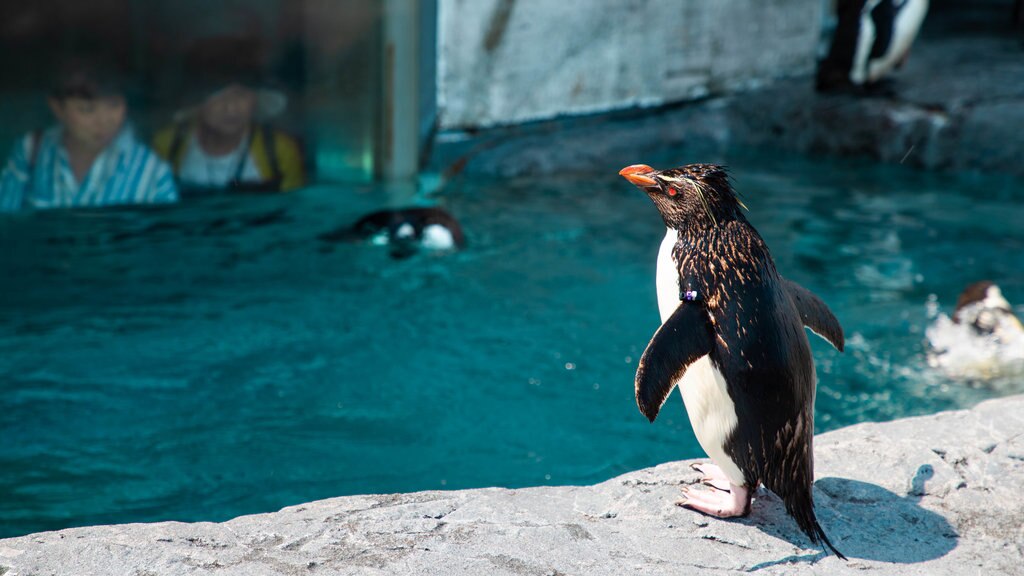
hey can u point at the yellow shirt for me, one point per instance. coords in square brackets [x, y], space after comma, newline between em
[286, 149]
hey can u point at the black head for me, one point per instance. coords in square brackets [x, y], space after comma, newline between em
[976, 292]
[982, 304]
[88, 76]
[696, 194]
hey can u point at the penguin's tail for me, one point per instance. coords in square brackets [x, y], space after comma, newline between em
[817, 534]
[800, 506]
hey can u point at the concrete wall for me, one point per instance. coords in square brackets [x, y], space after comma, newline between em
[508, 61]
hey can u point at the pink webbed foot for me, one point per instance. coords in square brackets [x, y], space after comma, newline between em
[713, 475]
[730, 503]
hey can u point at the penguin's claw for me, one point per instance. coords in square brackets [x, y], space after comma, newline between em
[686, 496]
[710, 472]
[723, 504]
[721, 485]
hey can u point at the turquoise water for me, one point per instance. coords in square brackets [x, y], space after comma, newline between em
[217, 359]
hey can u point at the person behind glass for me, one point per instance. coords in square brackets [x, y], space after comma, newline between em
[223, 142]
[91, 157]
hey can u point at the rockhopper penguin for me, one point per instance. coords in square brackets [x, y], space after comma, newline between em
[732, 339]
[983, 342]
[983, 307]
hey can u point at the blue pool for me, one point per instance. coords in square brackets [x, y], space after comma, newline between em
[217, 358]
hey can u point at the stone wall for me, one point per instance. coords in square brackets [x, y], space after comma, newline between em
[934, 495]
[936, 120]
[508, 61]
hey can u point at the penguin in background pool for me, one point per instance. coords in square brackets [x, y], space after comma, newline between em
[405, 231]
[732, 340]
[872, 37]
[982, 307]
[982, 342]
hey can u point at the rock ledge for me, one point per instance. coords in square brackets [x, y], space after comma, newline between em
[929, 495]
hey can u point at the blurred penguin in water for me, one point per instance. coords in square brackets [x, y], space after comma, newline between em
[983, 340]
[405, 231]
[872, 37]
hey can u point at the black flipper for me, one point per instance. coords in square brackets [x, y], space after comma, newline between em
[815, 314]
[681, 340]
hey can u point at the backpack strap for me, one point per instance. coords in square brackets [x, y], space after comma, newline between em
[272, 184]
[177, 142]
[269, 145]
[33, 148]
[243, 158]
[34, 143]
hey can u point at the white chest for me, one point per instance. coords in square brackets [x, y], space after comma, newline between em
[712, 412]
[667, 276]
[437, 237]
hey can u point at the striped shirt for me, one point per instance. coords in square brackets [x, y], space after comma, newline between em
[126, 172]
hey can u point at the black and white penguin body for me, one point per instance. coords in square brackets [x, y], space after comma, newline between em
[732, 339]
[872, 37]
[406, 230]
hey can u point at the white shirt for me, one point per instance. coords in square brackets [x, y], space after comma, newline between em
[199, 169]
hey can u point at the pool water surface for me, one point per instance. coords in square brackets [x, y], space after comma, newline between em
[216, 358]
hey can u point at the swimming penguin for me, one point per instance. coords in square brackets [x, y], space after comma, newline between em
[732, 339]
[983, 341]
[983, 308]
[872, 37]
[405, 230]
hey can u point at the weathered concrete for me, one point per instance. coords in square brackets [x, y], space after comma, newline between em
[932, 495]
[958, 105]
[507, 61]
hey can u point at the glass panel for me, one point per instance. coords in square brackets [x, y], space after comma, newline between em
[314, 64]
[340, 43]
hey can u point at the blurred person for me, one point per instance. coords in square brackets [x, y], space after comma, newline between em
[872, 38]
[91, 157]
[222, 141]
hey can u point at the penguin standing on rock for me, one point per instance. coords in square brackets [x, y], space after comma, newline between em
[732, 339]
[872, 37]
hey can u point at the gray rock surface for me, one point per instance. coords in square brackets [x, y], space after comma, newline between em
[932, 495]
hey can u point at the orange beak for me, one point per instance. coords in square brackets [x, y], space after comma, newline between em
[637, 174]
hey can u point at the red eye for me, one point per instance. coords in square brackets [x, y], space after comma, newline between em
[672, 192]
